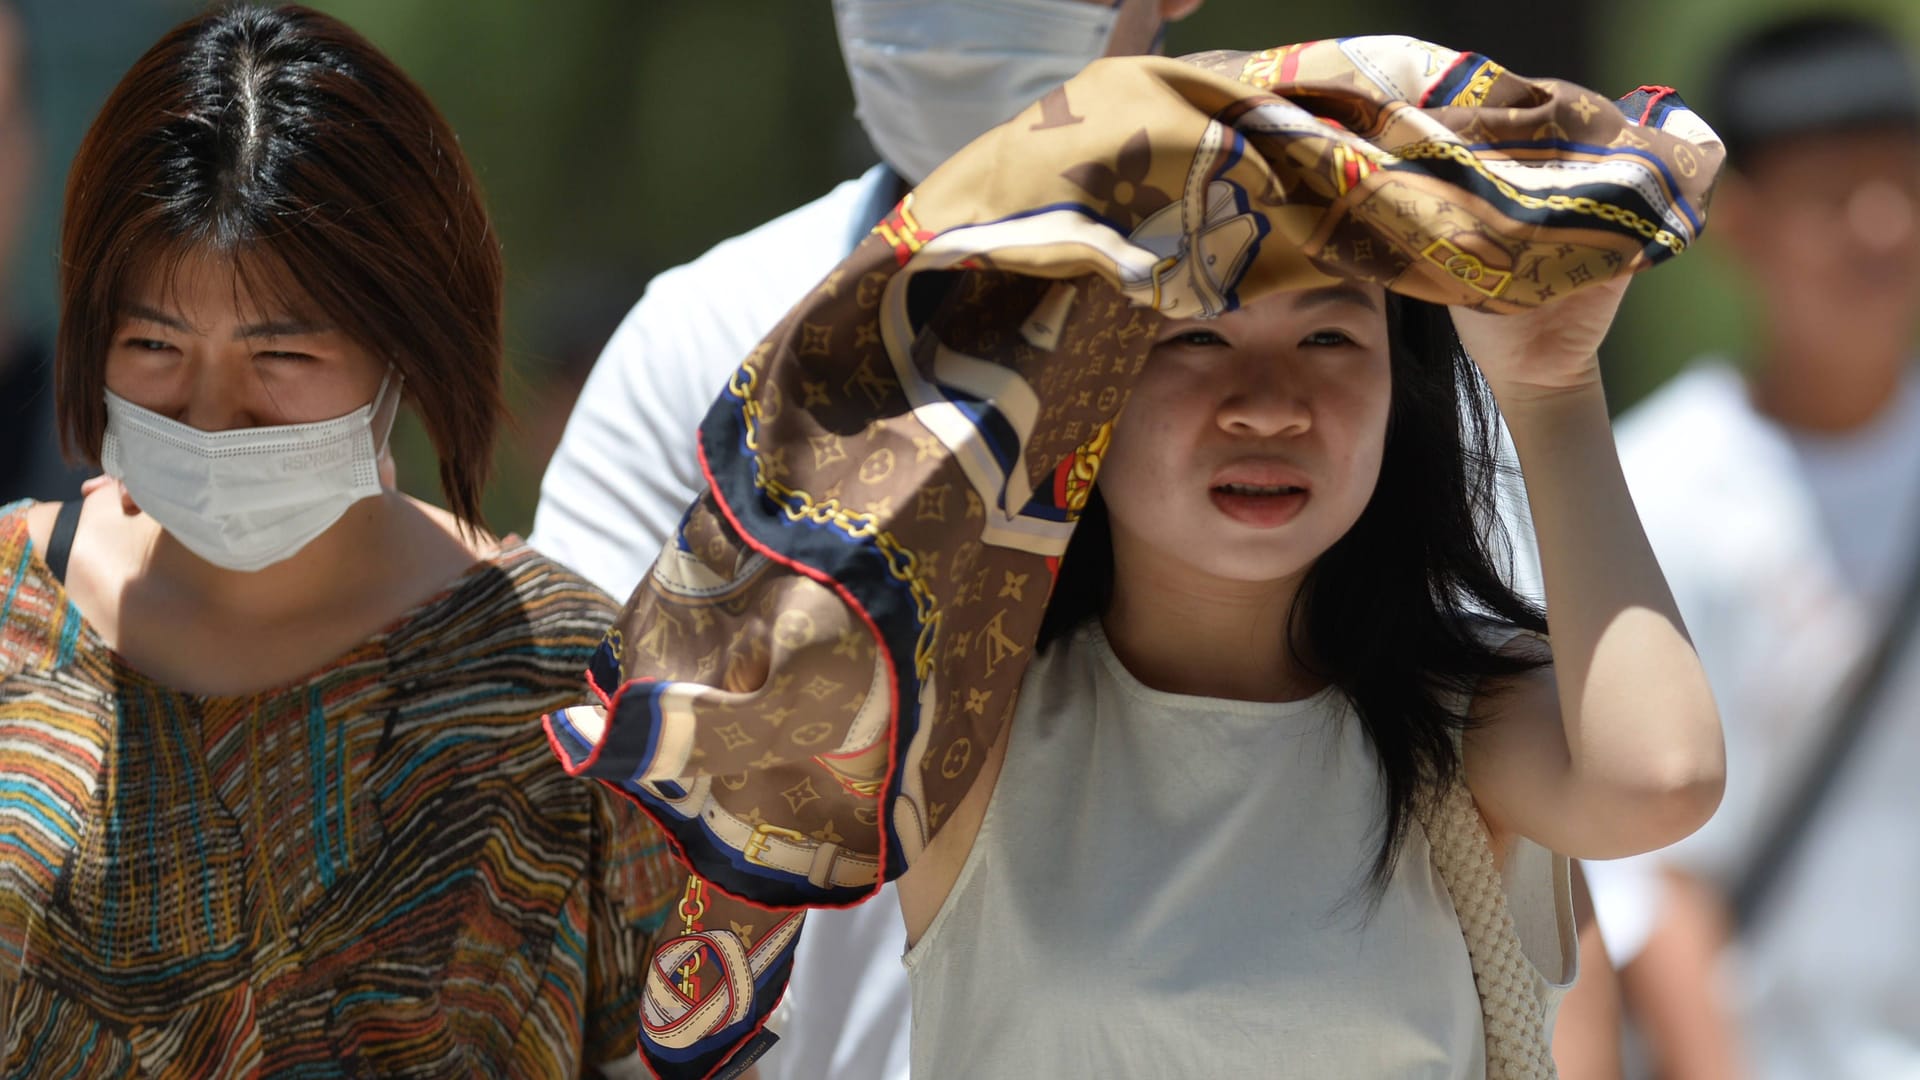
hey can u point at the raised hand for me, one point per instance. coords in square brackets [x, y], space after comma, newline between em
[1544, 350]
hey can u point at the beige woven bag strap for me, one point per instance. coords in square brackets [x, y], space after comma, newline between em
[1512, 1014]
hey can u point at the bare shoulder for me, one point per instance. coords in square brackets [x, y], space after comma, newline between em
[472, 545]
[1500, 697]
[1513, 723]
[108, 531]
[40, 524]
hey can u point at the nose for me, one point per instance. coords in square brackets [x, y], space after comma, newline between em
[1880, 215]
[1261, 401]
[222, 397]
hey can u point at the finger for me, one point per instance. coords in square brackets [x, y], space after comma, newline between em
[94, 483]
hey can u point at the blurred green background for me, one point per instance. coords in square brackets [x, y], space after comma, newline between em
[617, 138]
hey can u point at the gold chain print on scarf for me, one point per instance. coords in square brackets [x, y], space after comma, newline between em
[806, 683]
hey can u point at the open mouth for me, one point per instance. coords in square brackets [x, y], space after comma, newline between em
[1262, 506]
[1260, 489]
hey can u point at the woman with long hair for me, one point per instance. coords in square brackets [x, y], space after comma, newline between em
[1280, 628]
[1106, 552]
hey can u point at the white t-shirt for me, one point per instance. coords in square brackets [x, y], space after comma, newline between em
[1170, 886]
[623, 475]
[1782, 550]
[1867, 495]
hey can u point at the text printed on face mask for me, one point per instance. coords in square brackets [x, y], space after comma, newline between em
[316, 459]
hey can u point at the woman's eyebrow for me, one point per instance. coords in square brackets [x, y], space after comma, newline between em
[280, 328]
[1344, 293]
[142, 311]
[272, 328]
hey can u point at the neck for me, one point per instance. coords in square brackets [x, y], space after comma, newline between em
[1828, 390]
[337, 567]
[1188, 633]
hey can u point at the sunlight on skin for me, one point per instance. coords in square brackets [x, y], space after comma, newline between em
[1618, 686]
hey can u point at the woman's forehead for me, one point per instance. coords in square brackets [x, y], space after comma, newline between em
[202, 284]
[1351, 297]
[1345, 293]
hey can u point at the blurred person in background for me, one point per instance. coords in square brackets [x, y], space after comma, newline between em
[1782, 496]
[928, 77]
[273, 795]
[30, 462]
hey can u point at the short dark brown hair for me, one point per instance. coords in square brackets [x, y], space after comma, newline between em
[285, 141]
[1812, 74]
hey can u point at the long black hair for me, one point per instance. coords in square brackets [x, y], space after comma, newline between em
[1388, 613]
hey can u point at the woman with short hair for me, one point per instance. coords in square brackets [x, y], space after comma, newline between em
[274, 799]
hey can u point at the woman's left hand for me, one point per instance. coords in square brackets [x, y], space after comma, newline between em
[1544, 350]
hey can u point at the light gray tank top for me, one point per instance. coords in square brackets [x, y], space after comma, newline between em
[1171, 886]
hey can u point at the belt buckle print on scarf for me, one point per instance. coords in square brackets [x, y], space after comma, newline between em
[808, 680]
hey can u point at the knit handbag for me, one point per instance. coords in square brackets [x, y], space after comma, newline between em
[1512, 1016]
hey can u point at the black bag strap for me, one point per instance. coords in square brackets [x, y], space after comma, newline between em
[1789, 827]
[60, 544]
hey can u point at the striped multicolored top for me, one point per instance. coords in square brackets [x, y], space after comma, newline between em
[378, 870]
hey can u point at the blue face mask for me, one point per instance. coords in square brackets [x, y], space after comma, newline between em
[930, 76]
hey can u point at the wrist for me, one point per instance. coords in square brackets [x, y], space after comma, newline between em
[1579, 383]
[1530, 407]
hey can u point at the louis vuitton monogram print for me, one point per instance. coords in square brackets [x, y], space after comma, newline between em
[808, 681]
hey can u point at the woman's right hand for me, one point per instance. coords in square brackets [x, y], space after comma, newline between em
[1543, 351]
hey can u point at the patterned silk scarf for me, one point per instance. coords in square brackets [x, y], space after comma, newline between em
[808, 681]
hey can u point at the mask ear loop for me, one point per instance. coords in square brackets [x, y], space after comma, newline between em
[388, 404]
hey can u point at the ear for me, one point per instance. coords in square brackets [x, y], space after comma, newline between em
[1175, 10]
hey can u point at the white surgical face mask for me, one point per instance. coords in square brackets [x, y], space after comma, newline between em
[250, 497]
[930, 76]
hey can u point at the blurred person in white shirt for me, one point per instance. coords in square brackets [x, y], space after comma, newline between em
[1782, 496]
[928, 77]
